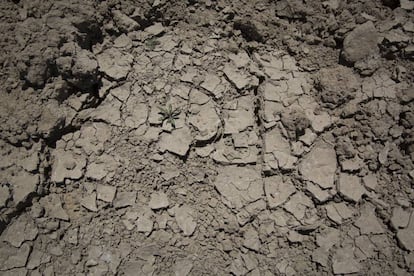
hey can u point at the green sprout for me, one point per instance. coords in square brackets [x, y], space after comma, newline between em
[169, 114]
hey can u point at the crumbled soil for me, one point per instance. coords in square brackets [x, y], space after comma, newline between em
[207, 137]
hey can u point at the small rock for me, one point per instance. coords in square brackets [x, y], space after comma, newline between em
[309, 137]
[206, 121]
[4, 196]
[396, 37]
[53, 207]
[338, 212]
[198, 97]
[243, 217]
[123, 22]
[169, 173]
[349, 186]
[181, 91]
[364, 244]
[55, 250]
[183, 267]
[407, 5]
[317, 193]
[352, 165]
[204, 151]
[400, 218]
[72, 236]
[370, 181]
[128, 225]
[105, 192]
[114, 63]
[239, 186]
[298, 204]
[239, 79]
[332, 4]
[319, 166]
[84, 70]
[124, 199]
[409, 261]
[320, 256]
[241, 60]
[237, 268]
[368, 222]
[123, 41]
[11, 257]
[277, 190]
[343, 261]
[159, 201]
[406, 236]
[328, 238]
[67, 165]
[186, 219]
[89, 202]
[360, 43]
[145, 224]
[249, 30]
[383, 155]
[177, 142]
[37, 258]
[295, 237]
[241, 117]
[284, 268]
[23, 184]
[21, 230]
[406, 95]
[155, 29]
[211, 83]
[251, 240]
[30, 163]
[411, 174]
[278, 151]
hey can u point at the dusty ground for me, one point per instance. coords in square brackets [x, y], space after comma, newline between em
[292, 151]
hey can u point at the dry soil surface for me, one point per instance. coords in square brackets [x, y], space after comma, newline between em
[206, 137]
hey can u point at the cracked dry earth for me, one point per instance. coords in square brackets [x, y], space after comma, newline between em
[292, 153]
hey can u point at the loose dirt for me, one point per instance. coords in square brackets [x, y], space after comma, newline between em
[290, 152]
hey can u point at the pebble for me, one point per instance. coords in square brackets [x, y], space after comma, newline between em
[11, 257]
[21, 230]
[370, 182]
[298, 204]
[177, 142]
[349, 186]
[338, 212]
[239, 186]
[368, 222]
[400, 218]
[158, 200]
[319, 166]
[53, 207]
[105, 193]
[406, 236]
[124, 199]
[251, 239]
[360, 43]
[185, 217]
[344, 262]
[277, 190]
[89, 202]
[155, 29]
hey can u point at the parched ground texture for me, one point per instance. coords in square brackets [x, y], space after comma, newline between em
[291, 152]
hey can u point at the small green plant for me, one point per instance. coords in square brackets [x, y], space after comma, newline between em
[169, 114]
[152, 43]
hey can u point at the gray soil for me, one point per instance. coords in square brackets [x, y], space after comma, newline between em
[290, 152]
